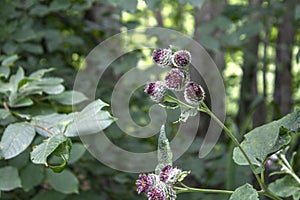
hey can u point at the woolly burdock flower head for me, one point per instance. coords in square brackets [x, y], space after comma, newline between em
[193, 93]
[170, 175]
[157, 91]
[176, 79]
[146, 182]
[181, 58]
[161, 191]
[157, 193]
[162, 57]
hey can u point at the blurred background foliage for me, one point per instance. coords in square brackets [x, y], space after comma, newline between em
[254, 43]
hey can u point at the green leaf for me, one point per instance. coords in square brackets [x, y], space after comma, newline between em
[69, 97]
[4, 113]
[90, 120]
[15, 79]
[16, 138]
[16, 101]
[41, 152]
[57, 5]
[210, 43]
[24, 34]
[4, 71]
[285, 187]
[31, 48]
[267, 139]
[126, 5]
[9, 60]
[77, 152]
[65, 182]
[31, 176]
[10, 47]
[194, 3]
[49, 195]
[40, 73]
[9, 178]
[53, 89]
[21, 160]
[164, 153]
[62, 151]
[245, 192]
[56, 123]
[39, 10]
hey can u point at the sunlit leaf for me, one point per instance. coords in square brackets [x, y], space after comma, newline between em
[41, 152]
[90, 120]
[16, 138]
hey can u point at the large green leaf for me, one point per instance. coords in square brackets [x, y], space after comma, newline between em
[32, 175]
[285, 187]
[65, 182]
[90, 120]
[9, 178]
[41, 152]
[164, 153]
[16, 138]
[245, 192]
[267, 139]
[69, 97]
[56, 123]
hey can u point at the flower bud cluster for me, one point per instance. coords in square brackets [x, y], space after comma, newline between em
[177, 79]
[160, 186]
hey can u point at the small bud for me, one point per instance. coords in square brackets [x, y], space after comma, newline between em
[157, 91]
[176, 79]
[162, 57]
[193, 93]
[181, 58]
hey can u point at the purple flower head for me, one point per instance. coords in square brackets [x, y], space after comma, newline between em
[162, 57]
[193, 93]
[170, 175]
[146, 182]
[181, 58]
[157, 193]
[176, 79]
[157, 91]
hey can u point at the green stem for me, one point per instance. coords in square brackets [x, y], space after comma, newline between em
[289, 169]
[190, 189]
[173, 99]
[232, 137]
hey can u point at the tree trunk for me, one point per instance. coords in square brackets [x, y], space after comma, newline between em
[283, 75]
[248, 90]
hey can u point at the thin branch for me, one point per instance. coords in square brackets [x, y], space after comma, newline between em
[43, 128]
